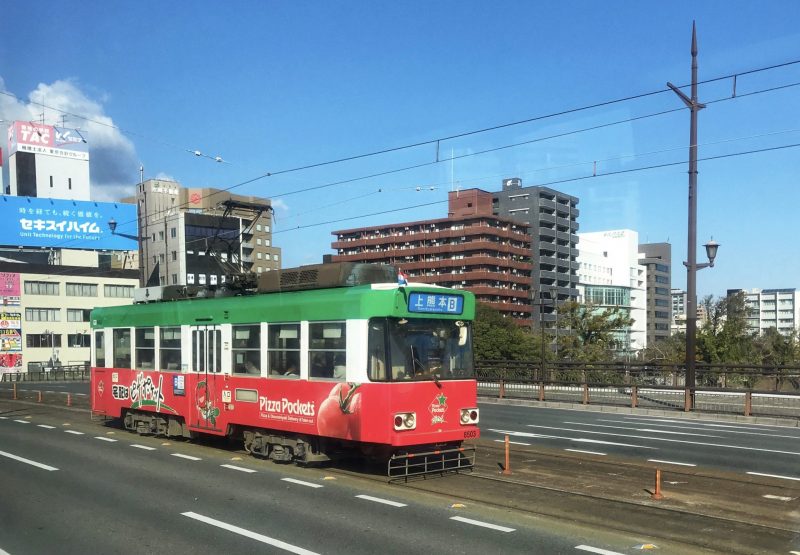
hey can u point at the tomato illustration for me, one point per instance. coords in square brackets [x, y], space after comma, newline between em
[339, 413]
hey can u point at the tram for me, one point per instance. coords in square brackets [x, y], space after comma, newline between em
[319, 362]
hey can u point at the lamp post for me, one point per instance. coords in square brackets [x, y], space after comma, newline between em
[711, 247]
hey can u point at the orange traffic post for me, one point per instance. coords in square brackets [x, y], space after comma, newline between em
[657, 493]
[507, 467]
[40, 396]
[69, 399]
[15, 392]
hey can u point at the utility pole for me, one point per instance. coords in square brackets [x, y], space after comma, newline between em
[691, 259]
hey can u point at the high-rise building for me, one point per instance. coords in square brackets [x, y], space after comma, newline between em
[771, 308]
[470, 249]
[202, 236]
[552, 221]
[610, 276]
[657, 259]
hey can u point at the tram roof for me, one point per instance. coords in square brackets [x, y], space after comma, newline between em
[364, 301]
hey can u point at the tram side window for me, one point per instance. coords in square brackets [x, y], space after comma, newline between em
[376, 346]
[170, 349]
[99, 349]
[283, 347]
[247, 350]
[146, 348]
[327, 342]
[122, 348]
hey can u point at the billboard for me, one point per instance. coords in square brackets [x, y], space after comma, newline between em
[10, 340]
[9, 289]
[66, 224]
[37, 138]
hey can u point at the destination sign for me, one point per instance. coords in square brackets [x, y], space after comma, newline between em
[435, 303]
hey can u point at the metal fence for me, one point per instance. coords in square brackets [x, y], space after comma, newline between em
[725, 389]
[44, 373]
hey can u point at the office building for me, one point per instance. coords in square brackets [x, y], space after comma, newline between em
[657, 260]
[771, 308]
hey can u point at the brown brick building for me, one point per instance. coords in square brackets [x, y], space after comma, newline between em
[470, 249]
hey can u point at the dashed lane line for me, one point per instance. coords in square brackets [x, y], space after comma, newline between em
[302, 483]
[380, 500]
[513, 442]
[108, 439]
[482, 524]
[670, 462]
[28, 461]
[74, 432]
[775, 476]
[187, 457]
[597, 550]
[46, 426]
[587, 452]
[249, 534]
[145, 447]
[239, 468]
[22, 421]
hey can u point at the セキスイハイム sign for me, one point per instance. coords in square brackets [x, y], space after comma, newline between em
[67, 224]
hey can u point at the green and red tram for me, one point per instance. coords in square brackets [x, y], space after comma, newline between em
[303, 370]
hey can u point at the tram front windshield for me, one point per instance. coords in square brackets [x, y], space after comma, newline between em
[419, 349]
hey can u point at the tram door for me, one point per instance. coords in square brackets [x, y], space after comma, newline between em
[207, 364]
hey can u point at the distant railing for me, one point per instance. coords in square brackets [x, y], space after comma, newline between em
[42, 372]
[729, 389]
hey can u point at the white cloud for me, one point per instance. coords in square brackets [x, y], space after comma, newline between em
[113, 162]
[279, 204]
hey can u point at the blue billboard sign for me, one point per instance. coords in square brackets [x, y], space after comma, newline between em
[66, 224]
[435, 303]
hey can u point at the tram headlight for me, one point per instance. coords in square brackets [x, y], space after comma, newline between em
[470, 416]
[405, 421]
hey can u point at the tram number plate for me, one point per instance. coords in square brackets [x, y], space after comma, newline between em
[470, 434]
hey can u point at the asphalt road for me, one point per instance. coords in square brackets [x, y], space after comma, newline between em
[70, 485]
[697, 443]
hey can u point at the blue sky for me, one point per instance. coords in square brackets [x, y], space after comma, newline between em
[272, 86]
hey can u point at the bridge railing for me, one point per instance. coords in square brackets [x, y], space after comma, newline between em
[726, 389]
[44, 373]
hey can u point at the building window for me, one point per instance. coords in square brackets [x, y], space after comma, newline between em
[258, 227]
[266, 228]
[246, 350]
[275, 257]
[81, 290]
[160, 235]
[42, 314]
[662, 279]
[258, 255]
[41, 288]
[173, 232]
[79, 340]
[170, 349]
[174, 279]
[36, 340]
[78, 314]
[174, 256]
[266, 242]
[120, 292]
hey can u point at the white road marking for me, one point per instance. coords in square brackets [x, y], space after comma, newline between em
[22, 421]
[588, 452]
[301, 482]
[239, 468]
[46, 426]
[723, 427]
[145, 447]
[73, 432]
[576, 440]
[4, 552]
[649, 430]
[512, 442]
[81, 394]
[482, 524]
[27, 461]
[108, 439]
[3, 418]
[187, 457]
[379, 500]
[741, 447]
[597, 550]
[670, 462]
[779, 497]
[774, 476]
[248, 534]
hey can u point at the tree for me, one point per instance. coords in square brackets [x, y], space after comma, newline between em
[499, 338]
[725, 337]
[591, 331]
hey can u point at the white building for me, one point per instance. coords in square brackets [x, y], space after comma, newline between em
[609, 275]
[771, 308]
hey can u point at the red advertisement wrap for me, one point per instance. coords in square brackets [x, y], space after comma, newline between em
[363, 412]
